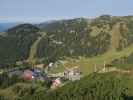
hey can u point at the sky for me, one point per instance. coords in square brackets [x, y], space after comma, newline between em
[44, 10]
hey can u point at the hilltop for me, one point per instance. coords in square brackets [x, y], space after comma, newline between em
[15, 43]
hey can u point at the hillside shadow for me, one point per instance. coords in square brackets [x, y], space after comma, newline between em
[128, 97]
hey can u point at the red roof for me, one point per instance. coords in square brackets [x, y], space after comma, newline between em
[27, 75]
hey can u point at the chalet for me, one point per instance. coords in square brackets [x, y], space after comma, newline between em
[72, 73]
[56, 83]
[40, 66]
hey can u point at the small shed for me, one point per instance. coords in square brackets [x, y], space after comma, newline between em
[56, 83]
[40, 66]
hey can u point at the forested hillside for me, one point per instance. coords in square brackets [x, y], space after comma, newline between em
[85, 37]
[16, 42]
[109, 86]
[66, 38]
[102, 42]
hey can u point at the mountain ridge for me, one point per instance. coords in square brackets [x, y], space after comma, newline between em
[71, 38]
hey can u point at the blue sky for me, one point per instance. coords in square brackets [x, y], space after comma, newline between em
[43, 10]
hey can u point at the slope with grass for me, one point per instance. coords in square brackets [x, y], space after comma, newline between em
[87, 65]
[33, 49]
[95, 40]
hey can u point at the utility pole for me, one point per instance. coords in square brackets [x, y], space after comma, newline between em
[104, 66]
[95, 68]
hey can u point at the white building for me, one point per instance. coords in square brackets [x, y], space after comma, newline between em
[72, 74]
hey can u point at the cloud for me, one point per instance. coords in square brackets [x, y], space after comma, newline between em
[32, 19]
[22, 19]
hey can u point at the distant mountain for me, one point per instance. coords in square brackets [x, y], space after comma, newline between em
[5, 26]
[45, 24]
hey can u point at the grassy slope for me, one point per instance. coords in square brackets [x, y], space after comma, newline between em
[87, 64]
[34, 48]
[10, 93]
